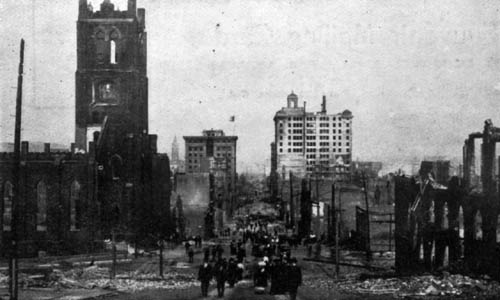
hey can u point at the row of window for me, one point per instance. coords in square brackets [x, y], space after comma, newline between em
[313, 156]
[224, 148]
[313, 144]
[312, 131]
[313, 137]
[41, 206]
[334, 150]
[312, 125]
[311, 169]
[195, 148]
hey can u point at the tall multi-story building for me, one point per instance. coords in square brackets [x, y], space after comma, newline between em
[215, 153]
[175, 150]
[310, 143]
[176, 163]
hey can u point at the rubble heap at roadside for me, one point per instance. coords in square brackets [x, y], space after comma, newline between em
[98, 277]
[416, 286]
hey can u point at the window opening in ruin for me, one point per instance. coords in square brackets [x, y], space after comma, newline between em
[73, 206]
[8, 194]
[461, 222]
[498, 229]
[112, 55]
[116, 165]
[478, 226]
[446, 224]
[41, 205]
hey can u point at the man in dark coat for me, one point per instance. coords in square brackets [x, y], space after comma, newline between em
[232, 248]
[278, 277]
[214, 253]
[219, 250]
[206, 254]
[190, 254]
[232, 272]
[294, 278]
[220, 273]
[260, 276]
[204, 276]
[241, 254]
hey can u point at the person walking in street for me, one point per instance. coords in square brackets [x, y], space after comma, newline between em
[232, 272]
[204, 276]
[260, 277]
[214, 253]
[232, 248]
[219, 251]
[278, 277]
[220, 274]
[294, 278]
[206, 254]
[190, 254]
[198, 241]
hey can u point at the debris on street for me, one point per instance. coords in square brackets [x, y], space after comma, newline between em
[98, 277]
[428, 285]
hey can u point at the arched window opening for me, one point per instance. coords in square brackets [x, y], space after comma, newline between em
[100, 45]
[478, 226]
[498, 229]
[112, 54]
[432, 216]
[461, 222]
[446, 224]
[116, 166]
[74, 204]
[100, 34]
[41, 205]
[8, 194]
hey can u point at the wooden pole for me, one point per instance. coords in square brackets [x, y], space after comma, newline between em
[332, 213]
[13, 262]
[390, 232]
[368, 250]
[113, 241]
[318, 220]
[161, 257]
[337, 250]
[292, 205]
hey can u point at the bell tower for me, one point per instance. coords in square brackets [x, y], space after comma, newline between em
[111, 81]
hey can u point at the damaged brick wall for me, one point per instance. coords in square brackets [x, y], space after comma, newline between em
[429, 219]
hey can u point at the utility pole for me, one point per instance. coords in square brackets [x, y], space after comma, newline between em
[113, 243]
[292, 205]
[318, 220]
[337, 237]
[368, 250]
[13, 262]
[332, 214]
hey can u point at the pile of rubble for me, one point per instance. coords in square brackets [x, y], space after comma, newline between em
[95, 277]
[99, 277]
[416, 286]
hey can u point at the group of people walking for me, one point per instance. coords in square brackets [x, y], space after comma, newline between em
[284, 273]
[222, 271]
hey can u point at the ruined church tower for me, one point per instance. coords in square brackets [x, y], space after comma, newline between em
[111, 81]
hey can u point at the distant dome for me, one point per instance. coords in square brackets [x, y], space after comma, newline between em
[292, 97]
[347, 114]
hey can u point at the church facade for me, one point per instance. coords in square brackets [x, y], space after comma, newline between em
[113, 179]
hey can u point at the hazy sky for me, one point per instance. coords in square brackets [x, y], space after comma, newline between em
[417, 75]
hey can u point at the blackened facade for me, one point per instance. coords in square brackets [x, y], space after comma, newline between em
[111, 70]
[113, 179]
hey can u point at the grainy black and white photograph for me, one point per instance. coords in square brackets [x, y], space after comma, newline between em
[249, 149]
